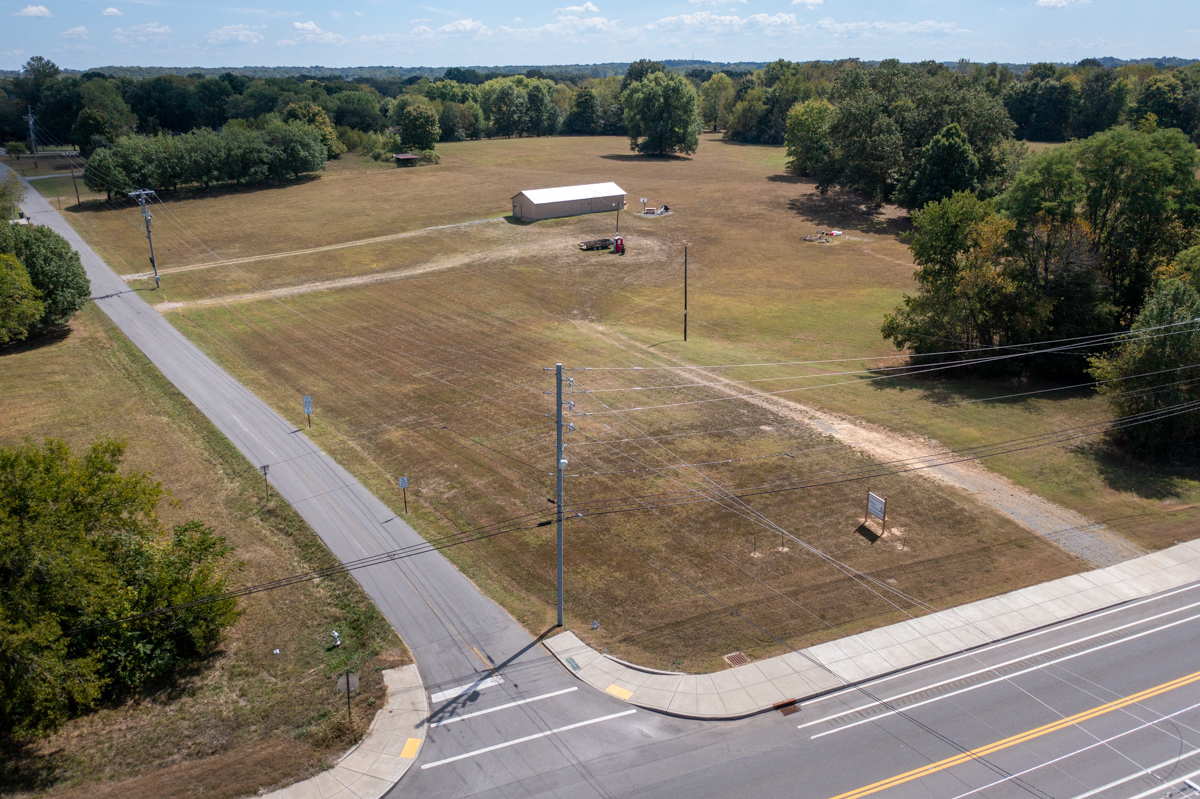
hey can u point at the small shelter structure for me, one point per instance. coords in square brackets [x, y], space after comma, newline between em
[592, 198]
[406, 159]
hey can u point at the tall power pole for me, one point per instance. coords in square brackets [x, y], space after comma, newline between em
[560, 467]
[32, 135]
[685, 292]
[140, 195]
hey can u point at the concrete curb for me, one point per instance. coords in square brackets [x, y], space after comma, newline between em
[758, 687]
[381, 758]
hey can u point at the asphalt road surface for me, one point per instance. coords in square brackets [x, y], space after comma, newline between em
[1104, 706]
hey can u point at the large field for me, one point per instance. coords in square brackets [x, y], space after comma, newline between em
[245, 718]
[425, 349]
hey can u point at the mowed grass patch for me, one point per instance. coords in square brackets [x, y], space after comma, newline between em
[245, 718]
[440, 376]
[464, 414]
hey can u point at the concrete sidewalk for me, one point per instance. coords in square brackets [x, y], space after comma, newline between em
[371, 769]
[756, 687]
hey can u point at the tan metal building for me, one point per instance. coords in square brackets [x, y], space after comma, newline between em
[593, 198]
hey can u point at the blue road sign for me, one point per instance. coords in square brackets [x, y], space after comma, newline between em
[404, 482]
[308, 405]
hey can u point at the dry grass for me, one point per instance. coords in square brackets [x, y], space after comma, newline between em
[422, 365]
[245, 718]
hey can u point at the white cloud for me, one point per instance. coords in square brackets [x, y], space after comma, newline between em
[112, 12]
[33, 11]
[830, 27]
[76, 33]
[809, 4]
[563, 27]
[146, 32]
[586, 8]
[311, 33]
[718, 23]
[716, 2]
[358, 13]
[337, 14]
[235, 34]
[463, 26]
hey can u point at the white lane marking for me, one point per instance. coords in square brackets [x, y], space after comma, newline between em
[986, 669]
[986, 683]
[1095, 744]
[501, 707]
[478, 685]
[1022, 638]
[536, 735]
[1169, 762]
[1161, 788]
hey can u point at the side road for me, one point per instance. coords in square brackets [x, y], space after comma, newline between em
[755, 687]
[452, 630]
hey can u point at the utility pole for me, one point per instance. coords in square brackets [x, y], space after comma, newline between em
[78, 202]
[561, 465]
[140, 195]
[685, 292]
[32, 135]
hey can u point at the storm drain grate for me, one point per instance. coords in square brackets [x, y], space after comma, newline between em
[787, 707]
[736, 659]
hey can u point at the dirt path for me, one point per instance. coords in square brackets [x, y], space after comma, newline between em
[343, 245]
[1092, 542]
[439, 265]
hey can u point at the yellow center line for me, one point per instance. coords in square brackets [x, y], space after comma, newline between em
[1019, 738]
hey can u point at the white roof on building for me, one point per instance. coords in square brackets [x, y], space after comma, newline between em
[564, 194]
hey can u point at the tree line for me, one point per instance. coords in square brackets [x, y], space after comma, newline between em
[1094, 237]
[1045, 102]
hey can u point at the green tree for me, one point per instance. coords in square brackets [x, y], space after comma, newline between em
[714, 95]
[212, 101]
[103, 172]
[93, 129]
[359, 110]
[295, 148]
[943, 167]
[807, 138]
[1140, 204]
[541, 115]
[20, 302]
[969, 295]
[53, 267]
[639, 70]
[1152, 374]
[420, 128]
[312, 114]
[661, 115]
[81, 544]
[450, 122]
[508, 109]
[585, 114]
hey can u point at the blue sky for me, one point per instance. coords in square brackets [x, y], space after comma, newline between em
[87, 33]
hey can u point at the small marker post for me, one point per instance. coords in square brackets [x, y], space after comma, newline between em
[308, 410]
[403, 481]
[266, 485]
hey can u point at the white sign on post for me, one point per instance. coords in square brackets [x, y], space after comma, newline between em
[308, 406]
[876, 506]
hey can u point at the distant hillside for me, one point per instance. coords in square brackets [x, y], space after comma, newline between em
[593, 70]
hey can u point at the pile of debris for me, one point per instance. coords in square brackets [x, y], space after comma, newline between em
[823, 236]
